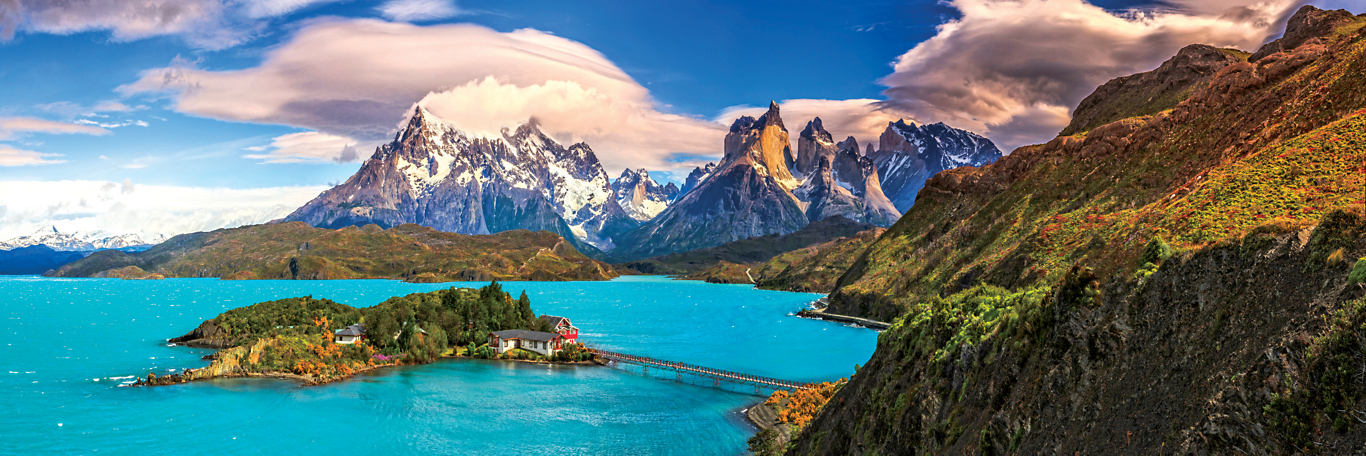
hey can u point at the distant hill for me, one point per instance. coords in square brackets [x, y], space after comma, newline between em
[295, 250]
[756, 249]
[35, 259]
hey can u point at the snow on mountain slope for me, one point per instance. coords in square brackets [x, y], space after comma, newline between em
[77, 242]
[908, 155]
[436, 175]
[640, 196]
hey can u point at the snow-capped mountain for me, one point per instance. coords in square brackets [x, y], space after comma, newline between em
[436, 175]
[78, 241]
[840, 181]
[908, 155]
[640, 196]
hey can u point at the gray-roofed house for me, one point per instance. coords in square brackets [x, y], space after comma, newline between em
[540, 342]
[350, 334]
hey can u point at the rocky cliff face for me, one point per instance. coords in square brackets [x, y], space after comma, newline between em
[435, 175]
[640, 196]
[763, 144]
[1040, 310]
[813, 144]
[839, 180]
[747, 195]
[908, 155]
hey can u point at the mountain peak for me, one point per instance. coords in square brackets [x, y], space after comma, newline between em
[849, 144]
[816, 131]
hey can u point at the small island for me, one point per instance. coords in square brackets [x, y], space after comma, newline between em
[317, 341]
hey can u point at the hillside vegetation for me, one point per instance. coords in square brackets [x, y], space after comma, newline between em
[295, 250]
[293, 337]
[1176, 281]
[810, 269]
[750, 251]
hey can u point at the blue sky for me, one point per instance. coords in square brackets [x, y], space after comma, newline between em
[103, 82]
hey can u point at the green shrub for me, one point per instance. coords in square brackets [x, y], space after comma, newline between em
[1156, 251]
[1358, 274]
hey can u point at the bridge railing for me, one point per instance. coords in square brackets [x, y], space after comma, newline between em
[707, 371]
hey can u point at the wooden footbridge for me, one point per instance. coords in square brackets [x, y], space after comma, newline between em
[715, 375]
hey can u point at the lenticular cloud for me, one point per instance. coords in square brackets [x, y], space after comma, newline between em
[1013, 69]
[357, 78]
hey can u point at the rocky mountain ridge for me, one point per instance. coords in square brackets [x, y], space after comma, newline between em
[78, 242]
[909, 154]
[435, 175]
[640, 196]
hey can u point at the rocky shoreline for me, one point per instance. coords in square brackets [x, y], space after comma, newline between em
[229, 368]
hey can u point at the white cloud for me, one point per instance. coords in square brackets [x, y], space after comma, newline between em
[146, 210]
[864, 119]
[1013, 69]
[12, 126]
[206, 24]
[308, 147]
[273, 8]
[622, 133]
[68, 109]
[358, 78]
[10, 156]
[419, 10]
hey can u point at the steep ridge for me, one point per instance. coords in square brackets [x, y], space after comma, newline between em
[908, 155]
[839, 180]
[435, 175]
[1154, 91]
[640, 196]
[1038, 308]
[294, 250]
[749, 194]
[813, 144]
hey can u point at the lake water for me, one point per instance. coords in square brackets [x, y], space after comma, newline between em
[68, 343]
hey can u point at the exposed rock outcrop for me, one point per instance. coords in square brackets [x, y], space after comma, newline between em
[908, 155]
[749, 194]
[640, 196]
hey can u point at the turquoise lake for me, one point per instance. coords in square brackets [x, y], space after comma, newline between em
[69, 343]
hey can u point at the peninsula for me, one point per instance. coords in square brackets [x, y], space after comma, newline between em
[317, 341]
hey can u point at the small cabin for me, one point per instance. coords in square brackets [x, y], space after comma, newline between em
[540, 342]
[351, 334]
[563, 327]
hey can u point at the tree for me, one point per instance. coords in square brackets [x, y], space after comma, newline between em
[524, 308]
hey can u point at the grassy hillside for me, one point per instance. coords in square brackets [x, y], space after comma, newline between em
[1173, 282]
[751, 251]
[297, 251]
[1279, 143]
[811, 269]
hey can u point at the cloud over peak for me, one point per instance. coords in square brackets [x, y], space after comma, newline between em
[357, 78]
[1013, 69]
